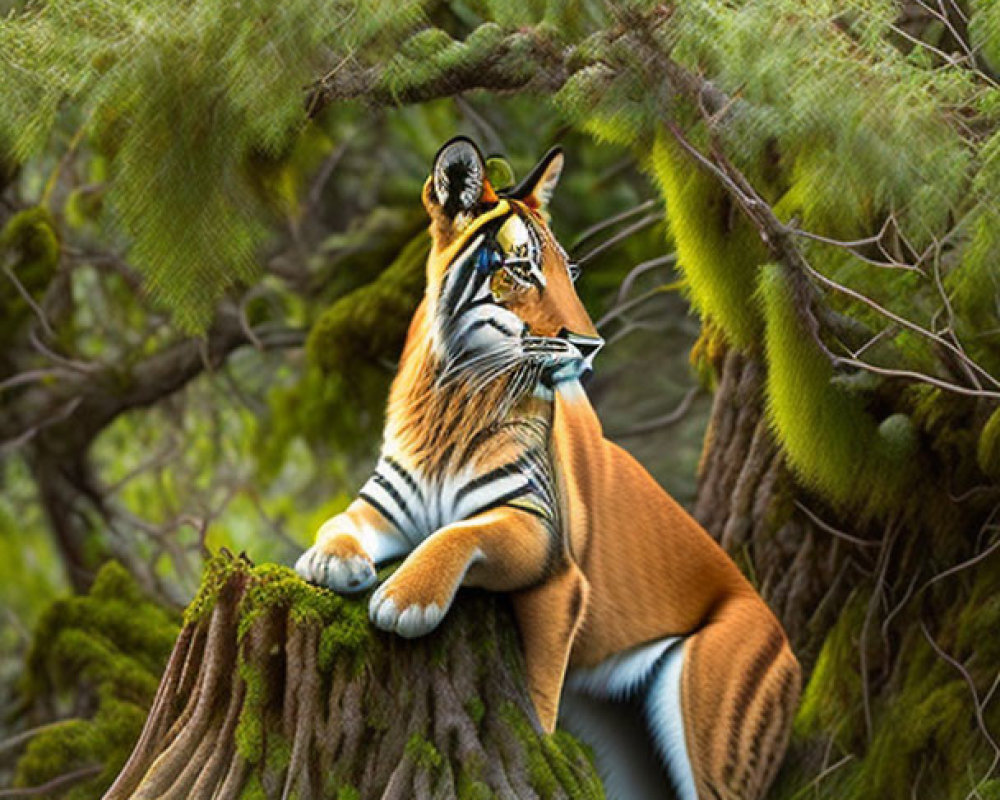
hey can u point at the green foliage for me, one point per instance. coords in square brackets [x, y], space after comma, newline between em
[111, 644]
[831, 441]
[183, 102]
[717, 249]
[889, 146]
[29, 248]
[984, 30]
[975, 283]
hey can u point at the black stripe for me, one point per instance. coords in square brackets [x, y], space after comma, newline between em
[778, 702]
[535, 512]
[458, 285]
[506, 470]
[481, 323]
[748, 690]
[397, 498]
[485, 300]
[513, 494]
[456, 282]
[396, 467]
[381, 510]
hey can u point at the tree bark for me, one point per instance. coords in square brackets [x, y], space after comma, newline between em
[278, 689]
[750, 502]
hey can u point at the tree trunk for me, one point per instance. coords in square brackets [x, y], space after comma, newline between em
[750, 502]
[278, 689]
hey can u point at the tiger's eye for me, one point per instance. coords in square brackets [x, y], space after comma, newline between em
[503, 286]
[489, 258]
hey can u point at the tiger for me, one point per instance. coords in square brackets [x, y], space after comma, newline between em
[494, 473]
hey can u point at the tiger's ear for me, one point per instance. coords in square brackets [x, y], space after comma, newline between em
[458, 180]
[536, 189]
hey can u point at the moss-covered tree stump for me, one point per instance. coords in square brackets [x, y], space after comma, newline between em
[278, 689]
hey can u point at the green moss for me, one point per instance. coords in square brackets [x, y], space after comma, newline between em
[29, 246]
[253, 789]
[106, 649]
[555, 762]
[215, 575]
[717, 250]
[832, 443]
[830, 700]
[423, 754]
[279, 753]
[348, 793]
[476, 709]
[990, 790]
[929, 716]
[978, 620]
[370, 323]
[249, 734]
[924, 731]
[469, 786]
[349, 635]
[988, 448]
[269, 588]
[473, 790]
[943, 419]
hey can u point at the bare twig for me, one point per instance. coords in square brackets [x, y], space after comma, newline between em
[831, 284]
[53, 785]
[622, 235]
[625, 287]
[610, 222]
[824, 774]
[21, 738]
[661, 422]
[825, 526]
[26, 296]
[977, 705]
[616, 311]
[881, 569]
[964, 565]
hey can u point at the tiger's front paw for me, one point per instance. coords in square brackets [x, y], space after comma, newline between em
[338, 563]
[392, 611]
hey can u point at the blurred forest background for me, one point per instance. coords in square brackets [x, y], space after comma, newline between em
[788, 220]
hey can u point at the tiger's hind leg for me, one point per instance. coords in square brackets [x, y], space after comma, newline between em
[603, 706]
[720, 708]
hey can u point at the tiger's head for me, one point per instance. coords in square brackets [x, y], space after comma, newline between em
[499, 286]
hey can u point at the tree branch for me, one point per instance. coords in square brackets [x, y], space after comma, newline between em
[76, 409]
[542, 67]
